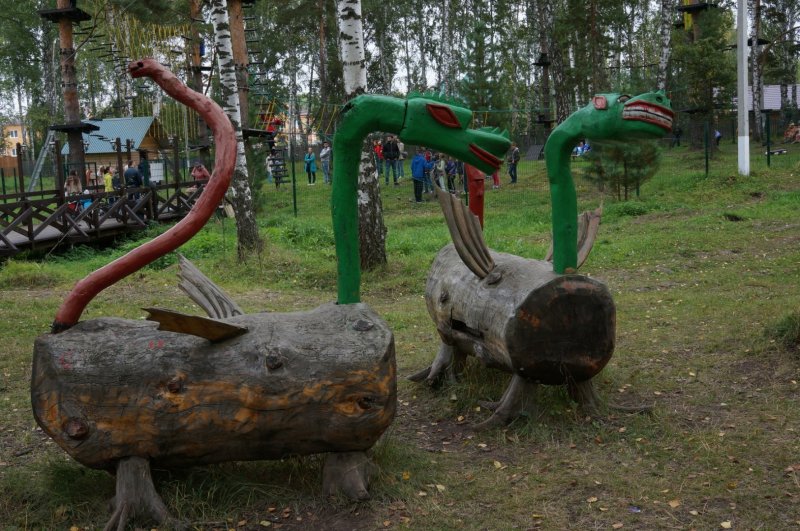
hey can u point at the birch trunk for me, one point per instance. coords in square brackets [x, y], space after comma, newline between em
[371, 228]
[665, 33]
[757, 65]
[248, 239]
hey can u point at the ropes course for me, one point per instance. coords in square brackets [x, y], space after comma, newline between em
[126, 38]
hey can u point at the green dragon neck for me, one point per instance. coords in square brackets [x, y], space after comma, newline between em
[360, 117]
[563, 198]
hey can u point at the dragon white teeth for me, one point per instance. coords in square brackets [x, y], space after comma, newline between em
[647, 113]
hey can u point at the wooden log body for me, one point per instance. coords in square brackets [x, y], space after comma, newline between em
[523, 318]
[294, 384]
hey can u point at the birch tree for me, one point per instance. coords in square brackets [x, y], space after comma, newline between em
[248, 239]
[665, 31]
[371, 229]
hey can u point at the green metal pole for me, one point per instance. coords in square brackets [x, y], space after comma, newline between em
[294, 178]
[705, 139]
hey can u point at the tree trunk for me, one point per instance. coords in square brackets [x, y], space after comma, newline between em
[546, 327]
[69, 84]
[294, 384]
[372, 230]
[756, 64]
[665, 31]
[240, 194]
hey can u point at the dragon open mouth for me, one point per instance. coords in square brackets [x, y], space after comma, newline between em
[485, 156]
[643, 111]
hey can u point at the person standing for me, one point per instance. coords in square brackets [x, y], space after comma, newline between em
[391, 153]
[427, 183]
[401, 147]
[325, 159]
[419, 168]
[717, 136]
[310, 161]
[513, 160]
[450, 169]
[377, 150]
[199, 172]
[144, 167]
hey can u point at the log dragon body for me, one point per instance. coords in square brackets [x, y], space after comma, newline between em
[121, 394]
[540, 321]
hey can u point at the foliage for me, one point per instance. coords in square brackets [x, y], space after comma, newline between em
[786, 331]
[622, 166]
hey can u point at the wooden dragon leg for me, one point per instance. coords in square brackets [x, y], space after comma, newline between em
[517, 399]
[136, 497]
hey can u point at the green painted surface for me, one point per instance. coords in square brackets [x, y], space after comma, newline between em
[417, 121]
[608, 117]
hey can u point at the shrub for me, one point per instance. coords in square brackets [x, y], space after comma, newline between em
[24, 275]
[786, 332]
[622, 166]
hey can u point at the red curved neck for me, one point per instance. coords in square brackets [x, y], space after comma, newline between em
[225, 160]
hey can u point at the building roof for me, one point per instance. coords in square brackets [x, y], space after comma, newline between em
[134, 129]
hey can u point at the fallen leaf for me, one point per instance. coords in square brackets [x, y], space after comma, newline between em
[603, 509]
[618, 525]
[592, 499]
[694, 513]
[422, 493]
[406, 475]
[726, 524]
[387, 523]
[534, 515]
[498, 464]
[460, 418]
[241, 523]
[264, 523]
[440, 488]
[674, 503]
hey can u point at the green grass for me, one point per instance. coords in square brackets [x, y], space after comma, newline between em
[705, 274]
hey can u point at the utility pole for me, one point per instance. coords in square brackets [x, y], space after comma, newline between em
[741, 89]
[66, 14]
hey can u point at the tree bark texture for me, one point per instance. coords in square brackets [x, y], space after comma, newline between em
[665, 33]
[546, 327]
[241, 195]
[294, 384]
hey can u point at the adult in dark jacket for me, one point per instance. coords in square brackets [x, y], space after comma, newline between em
[391, 154]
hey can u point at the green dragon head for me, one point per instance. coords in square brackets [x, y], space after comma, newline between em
[622, 117]
[610, 117]
[445, 127]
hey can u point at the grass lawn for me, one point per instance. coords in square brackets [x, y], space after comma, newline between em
[705, 272]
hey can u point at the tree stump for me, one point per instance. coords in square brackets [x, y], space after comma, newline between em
[524, 319]
[110, 389]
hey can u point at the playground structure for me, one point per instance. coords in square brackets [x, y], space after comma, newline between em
[542, 322]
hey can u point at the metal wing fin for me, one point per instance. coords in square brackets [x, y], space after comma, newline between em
[466, 233]
[204, 292]
[194, 325]
[588, 225]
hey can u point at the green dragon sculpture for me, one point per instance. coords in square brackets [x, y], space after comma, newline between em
[417, 121]
[616, 117]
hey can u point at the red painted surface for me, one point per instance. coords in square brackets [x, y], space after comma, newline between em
[225, 142]
[475, 189]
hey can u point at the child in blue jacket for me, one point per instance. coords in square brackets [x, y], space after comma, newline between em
[418, 168]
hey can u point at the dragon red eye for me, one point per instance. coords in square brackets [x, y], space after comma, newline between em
[444, 115]
[600, 102]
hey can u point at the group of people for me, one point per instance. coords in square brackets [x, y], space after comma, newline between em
[107, 177]
[389, 156]
[310, 164]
